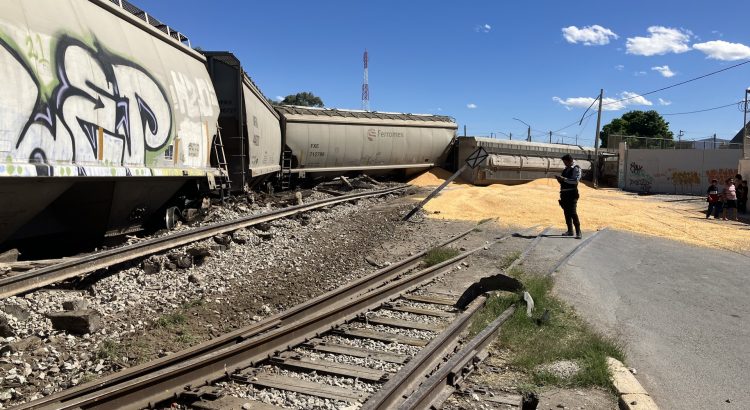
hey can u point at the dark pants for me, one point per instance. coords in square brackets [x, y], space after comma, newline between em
[569, 203]
[716, 207]
[742, 205]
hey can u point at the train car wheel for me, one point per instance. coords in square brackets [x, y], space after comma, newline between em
[171, 216]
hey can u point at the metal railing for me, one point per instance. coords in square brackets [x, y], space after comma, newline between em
[150, 20]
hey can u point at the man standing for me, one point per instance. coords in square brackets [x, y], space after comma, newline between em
[569, 180]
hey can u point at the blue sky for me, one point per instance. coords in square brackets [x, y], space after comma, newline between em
[485, 62]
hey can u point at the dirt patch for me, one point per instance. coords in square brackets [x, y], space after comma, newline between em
[535, 203]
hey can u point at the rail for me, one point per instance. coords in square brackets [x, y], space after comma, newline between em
[140, 388]
[37, 278]
[441, 384]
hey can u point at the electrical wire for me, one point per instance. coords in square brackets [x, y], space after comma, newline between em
[662, 89]
[678, 84]
[705, 109]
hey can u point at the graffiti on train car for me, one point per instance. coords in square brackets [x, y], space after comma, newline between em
[81, 103]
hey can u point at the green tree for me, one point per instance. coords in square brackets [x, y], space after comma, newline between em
[644, 124]
[305, 99]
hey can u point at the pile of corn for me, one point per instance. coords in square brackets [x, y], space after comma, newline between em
[535, 203]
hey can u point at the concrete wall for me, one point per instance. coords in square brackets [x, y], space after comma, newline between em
[86, 91]
[682, 171]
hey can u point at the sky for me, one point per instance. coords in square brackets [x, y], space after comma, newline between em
[485, 63]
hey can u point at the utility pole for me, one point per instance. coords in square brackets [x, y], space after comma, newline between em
[744, 128]
[714, 147]
[464, 130]
[511, 136]
[550, 137]
[679, 138]
[596, 140]
[528, 135]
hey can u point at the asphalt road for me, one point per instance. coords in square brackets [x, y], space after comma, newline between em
[683, 312]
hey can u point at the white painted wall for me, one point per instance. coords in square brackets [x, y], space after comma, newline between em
[681, 171]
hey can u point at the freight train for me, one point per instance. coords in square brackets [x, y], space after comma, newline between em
[107, 115]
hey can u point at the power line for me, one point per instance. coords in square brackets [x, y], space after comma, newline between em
[704, 110]
[679, 84]
[662, 89]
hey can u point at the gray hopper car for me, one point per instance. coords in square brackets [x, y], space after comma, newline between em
[329, 141]
[519, 161]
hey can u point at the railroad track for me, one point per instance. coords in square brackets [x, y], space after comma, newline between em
[38, 278]
[190, 376]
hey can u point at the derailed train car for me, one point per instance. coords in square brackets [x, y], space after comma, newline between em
[104, 116]
[519, 161]
[250, 127]
[331, 141]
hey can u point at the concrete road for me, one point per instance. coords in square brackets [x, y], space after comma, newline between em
[682, 311]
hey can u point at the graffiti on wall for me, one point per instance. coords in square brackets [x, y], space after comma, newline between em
[685, 180]
[639, 178]
[721, 174]
[81, 103]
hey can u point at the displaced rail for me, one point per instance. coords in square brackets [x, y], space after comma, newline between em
[442, 384]
[37, 278]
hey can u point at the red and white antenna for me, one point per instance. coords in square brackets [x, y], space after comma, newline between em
[366, 87]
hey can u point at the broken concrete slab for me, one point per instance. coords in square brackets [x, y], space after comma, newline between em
[78, 322]
[5, 329]
[76, 304]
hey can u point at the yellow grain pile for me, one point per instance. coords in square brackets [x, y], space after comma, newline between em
[535, 203]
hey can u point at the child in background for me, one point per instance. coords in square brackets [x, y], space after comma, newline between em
[714, 199]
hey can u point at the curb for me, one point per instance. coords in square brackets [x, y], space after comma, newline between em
[632, 396]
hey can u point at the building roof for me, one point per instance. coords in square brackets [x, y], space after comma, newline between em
[738, 138]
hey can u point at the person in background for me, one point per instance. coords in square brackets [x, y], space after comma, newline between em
[714, 199]
[740, 191]
[568, 180]
[730, 198]
[742, 200]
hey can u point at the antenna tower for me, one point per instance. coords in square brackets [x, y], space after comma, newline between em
[366, 87]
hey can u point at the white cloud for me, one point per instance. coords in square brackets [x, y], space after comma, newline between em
[664, 70]
[662, 40]
[640, 73]
[619, 67]
[471, 106]
[723, 50]
[595, 35]
[664, 102]
[483, 28]
[279, 98]
[608, 104]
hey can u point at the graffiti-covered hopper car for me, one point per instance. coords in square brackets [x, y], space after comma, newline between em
[103, 117]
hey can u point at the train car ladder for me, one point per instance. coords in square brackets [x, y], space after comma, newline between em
[223, 180]
[286, 169]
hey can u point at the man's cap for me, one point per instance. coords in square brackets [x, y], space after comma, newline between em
[567, 157]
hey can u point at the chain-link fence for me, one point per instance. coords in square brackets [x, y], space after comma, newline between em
[613, 141]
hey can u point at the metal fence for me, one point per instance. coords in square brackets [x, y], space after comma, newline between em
[613, 141]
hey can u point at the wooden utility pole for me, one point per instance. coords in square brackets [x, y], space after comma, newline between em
[596, 140]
